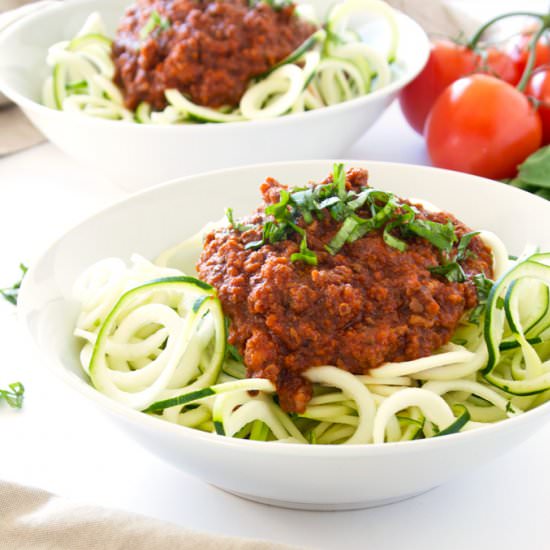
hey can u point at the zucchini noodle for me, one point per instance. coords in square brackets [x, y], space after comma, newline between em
[154, 339]
[332, 66]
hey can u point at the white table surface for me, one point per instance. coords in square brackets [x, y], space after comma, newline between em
[63, 444]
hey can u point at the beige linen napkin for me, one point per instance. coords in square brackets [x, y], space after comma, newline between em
[16, 132]
[31, 519]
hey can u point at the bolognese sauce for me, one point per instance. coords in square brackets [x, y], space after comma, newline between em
[365, 302]
[208, 50]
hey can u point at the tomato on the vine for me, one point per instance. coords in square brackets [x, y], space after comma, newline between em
[518, 50]
[448, 61]
[539, 88]
[497, 63]
[484, 126]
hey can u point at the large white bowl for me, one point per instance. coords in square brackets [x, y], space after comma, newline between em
[313, 477]
[136, 155]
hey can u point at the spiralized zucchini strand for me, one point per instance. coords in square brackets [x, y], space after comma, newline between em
[155, 340]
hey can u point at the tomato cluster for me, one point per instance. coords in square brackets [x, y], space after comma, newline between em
[468, 105]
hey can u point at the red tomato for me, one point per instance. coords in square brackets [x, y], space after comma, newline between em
[518, 50]
[484, 126]
[498, 63]
[447, 62]
[539, 88]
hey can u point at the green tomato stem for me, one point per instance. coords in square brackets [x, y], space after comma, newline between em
[478, 35]
[528, 71]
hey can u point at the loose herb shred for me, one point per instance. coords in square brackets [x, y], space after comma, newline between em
[232, 352]
[325, 203]
[277, 5]
[360, 200]
[452, 271]
[462, 251]
[155, 21]
[305, 254]
[12, 294]
[14, 396]
[483, 288]
[450, 267]
[235, 225]
[280, 210]
[339, 178]
[341, 238]
[392, 241]
[442, 236]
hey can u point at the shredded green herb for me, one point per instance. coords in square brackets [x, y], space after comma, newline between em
[230, 350]
[450, 267]
[233, 353]
[11, 294]
[14, 396]
[452, 271]
[483, 288]
[238, 226]
[275, 4]
[305, 254]
[155, 21]
[440, 235]
[398, 220]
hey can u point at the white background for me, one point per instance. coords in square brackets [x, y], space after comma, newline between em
[61, 443]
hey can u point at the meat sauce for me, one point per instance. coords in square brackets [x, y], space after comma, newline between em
[364, 306]
[209, 50]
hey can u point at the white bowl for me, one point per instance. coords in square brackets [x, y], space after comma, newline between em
[135, 156]
[311, 477]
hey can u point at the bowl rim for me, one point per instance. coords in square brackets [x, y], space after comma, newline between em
[133, 416]
[49, 10]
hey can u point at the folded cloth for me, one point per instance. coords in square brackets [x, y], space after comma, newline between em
[31, 519]
[16, 132]
[6, 5]
[455, 19]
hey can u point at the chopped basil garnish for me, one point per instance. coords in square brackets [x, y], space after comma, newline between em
[462, 251]
[452, 271]
[305, 254]
[339, 177]
[441, 236]
[344, 234]
[12, 293]
[398, 221]
[450, 267]
[392, 241]
[155, 21]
